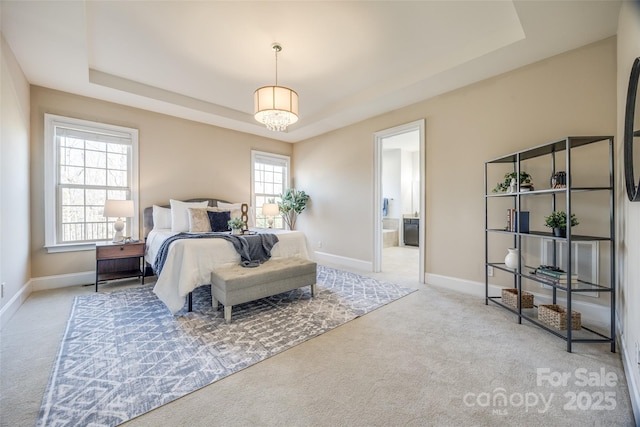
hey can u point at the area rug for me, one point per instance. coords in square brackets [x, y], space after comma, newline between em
[123, 353]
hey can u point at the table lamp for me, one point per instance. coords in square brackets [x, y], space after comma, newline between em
[118, 209]
[270, 210]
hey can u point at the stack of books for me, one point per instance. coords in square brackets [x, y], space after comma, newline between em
[513, 216]
[554, 276]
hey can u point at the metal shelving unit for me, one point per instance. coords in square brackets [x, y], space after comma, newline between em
[565, 146]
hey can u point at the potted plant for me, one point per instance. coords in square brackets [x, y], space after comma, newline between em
[236, 225]
[558, 222]
[525, 182]
[291, 204]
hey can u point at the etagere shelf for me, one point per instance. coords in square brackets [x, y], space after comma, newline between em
[561, 247]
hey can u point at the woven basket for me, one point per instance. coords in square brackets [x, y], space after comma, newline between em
[556, 316]
[510, 298]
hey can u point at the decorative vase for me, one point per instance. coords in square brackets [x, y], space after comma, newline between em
[511, 260]
[560, 232]
[236, 231]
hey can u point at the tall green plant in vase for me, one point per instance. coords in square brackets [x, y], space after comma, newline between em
[292, 203]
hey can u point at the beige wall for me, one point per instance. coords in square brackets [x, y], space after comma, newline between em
[570, 94]
[14, 176]
[629, 213]
[178, 159]
[182, 159]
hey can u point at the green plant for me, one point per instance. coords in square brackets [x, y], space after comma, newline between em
[525, 178]
[558, 219]
[291, 204]
[235, 223]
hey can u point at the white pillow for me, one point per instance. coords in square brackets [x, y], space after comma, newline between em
[180, 214]
[229, 206]
[161, 217]
[235, 208]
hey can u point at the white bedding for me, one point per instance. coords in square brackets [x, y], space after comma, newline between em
[190, 261]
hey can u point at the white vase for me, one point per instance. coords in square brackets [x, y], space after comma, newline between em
[236, 231]
[511, 260]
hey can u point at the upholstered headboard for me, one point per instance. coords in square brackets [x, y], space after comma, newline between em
[148, 212]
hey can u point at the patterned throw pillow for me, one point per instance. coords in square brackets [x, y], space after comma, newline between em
[218, 220]
[198, 220]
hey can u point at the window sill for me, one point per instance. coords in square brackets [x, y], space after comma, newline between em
[73, 247]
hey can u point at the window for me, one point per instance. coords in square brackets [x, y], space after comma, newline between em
[269, 179]
[86, 163]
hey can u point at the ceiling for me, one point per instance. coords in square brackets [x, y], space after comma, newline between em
[348, 60]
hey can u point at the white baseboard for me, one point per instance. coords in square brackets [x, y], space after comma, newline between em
[62, 280]
[326, 258]
[10, 308]
[455, 284]
[42, 284]
[598, 315]
[629, 363]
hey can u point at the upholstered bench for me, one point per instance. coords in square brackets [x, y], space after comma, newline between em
[236, 284]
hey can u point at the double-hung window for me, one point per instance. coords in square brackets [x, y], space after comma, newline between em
[87, 163]
[269, 179]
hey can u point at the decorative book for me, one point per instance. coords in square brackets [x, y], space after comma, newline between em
[554, 275]
[512, 220]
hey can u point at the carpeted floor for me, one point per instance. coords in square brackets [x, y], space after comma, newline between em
[431, 358]
[124, 354]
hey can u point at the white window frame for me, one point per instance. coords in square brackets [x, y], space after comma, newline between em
[51, 121]
[287, 181]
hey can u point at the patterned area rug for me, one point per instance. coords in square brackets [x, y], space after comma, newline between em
[123, 353]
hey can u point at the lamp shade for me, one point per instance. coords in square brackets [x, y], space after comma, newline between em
[118, 209]
[270, 209]
[276, 107]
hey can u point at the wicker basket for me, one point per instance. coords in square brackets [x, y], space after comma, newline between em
[556, 316]
[510, 298]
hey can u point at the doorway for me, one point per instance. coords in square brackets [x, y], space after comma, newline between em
[399, 200]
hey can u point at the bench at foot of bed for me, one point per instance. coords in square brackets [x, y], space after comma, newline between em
[237, 285]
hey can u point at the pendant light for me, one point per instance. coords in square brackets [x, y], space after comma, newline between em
[276, 106]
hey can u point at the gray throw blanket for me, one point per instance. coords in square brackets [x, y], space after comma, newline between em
[253, 249]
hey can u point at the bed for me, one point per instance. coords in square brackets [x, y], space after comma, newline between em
[189, 262]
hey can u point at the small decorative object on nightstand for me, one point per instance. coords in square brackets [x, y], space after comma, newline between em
[119, 261]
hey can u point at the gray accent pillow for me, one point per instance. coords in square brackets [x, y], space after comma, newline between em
[218, 220]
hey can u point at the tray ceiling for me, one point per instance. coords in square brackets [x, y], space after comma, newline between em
[348, 61]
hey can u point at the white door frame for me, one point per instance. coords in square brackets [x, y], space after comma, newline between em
[377, 196]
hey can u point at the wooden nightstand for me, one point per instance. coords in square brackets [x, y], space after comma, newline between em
[119, 261]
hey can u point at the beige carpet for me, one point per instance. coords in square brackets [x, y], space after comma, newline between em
[435, 357]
